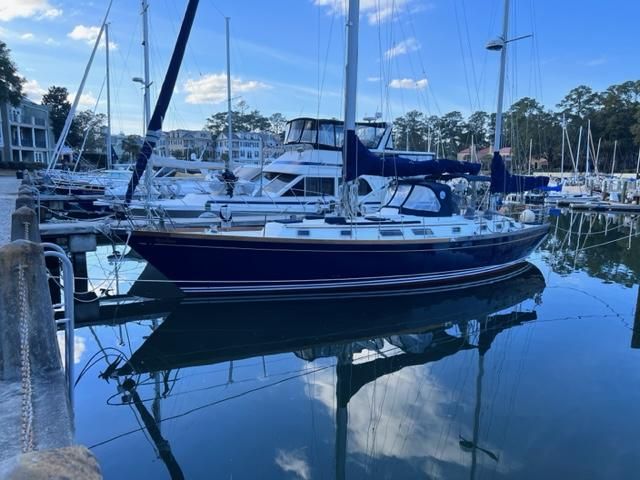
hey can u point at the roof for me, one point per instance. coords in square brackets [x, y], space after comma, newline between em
[485, 151]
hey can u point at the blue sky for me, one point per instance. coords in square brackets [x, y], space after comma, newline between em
[287, 55]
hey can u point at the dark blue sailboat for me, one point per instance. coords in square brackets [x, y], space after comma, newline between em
[419, 237]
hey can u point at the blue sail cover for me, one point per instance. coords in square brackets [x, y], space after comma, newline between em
[166, 91]
[361, 161]
[114, 156]
[504, 182]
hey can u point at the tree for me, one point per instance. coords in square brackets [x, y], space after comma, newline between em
[580, 102]
[91, 126]
[277, 123]
[477, 129]
[131, 145]
[10, 81]
[253, 121]
[411, 131]
[451, 129]
[56, 99]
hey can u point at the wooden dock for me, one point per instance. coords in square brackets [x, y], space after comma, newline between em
[609, 207]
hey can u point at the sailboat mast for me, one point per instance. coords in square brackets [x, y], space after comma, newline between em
[588, 147]
[227, 162]
[613, 164]
[350, 143]
[145, 45]
[564, 128]
[503, 66]
[577, 165]
[351, 68]
[109, 158]
[530, 152]
[147, 97]
[154, 127]
[72, 111]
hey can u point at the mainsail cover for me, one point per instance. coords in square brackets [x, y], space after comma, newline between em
[155, 123]
[504, 182]
[361, 161]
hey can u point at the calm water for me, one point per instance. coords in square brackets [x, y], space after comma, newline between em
[530, 377]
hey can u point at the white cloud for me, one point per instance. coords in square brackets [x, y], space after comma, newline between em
[373, 79]
[376, 11]
[10, 9]
[596, 62]
[33, 90]
[409, 83]
[295, 462]
[408, 426]
[87, 100]
[212, 88]
[27, 36]
[88, 35]
[79, 347]
[402, 48]
[51, 41]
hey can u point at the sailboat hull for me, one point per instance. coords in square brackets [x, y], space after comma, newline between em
[224, 265]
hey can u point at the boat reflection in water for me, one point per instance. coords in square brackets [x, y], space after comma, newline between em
[367, 339]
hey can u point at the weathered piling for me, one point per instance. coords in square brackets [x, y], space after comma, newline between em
[36, 419]
[25, 225]
[24, 200]
[35, 408]
[35, 414]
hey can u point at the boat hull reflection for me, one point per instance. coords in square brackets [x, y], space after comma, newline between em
[203, 333]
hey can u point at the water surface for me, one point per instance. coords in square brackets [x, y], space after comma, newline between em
[534, 376]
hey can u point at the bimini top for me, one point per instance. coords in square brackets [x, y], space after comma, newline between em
[360, 161]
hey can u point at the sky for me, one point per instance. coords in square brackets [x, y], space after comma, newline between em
[287, 56]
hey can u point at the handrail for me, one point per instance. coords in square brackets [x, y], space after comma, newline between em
[69, 310]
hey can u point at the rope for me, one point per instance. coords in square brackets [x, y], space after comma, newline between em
[25, 366]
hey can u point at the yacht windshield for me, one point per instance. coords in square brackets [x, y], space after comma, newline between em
[277, 181]
[330, 133]
[370, 135]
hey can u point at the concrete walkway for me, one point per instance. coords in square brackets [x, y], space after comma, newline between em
[8, 194]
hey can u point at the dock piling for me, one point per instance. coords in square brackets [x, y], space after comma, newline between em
[24, 225]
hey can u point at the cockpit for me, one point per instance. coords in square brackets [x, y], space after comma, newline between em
[329, 134]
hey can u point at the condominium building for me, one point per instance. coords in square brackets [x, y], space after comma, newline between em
[249, 147]
[25, 133]
[185, 143]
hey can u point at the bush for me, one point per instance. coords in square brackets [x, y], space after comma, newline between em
[22, 166]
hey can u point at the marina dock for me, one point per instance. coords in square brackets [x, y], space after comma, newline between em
[37, 427]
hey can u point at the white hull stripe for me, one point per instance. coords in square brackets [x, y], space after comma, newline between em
[351, 283]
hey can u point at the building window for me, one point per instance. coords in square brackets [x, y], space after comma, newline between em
[14, 136]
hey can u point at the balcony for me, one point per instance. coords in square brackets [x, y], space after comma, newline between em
[26, 137]
[20, 118]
